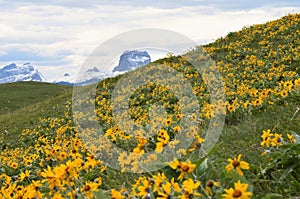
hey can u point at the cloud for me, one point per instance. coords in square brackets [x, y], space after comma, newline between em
[220, 4]
[59, 35]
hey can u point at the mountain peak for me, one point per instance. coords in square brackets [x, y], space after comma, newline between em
[14, 73]
[131, 60]
[96, 70]
[10, 66]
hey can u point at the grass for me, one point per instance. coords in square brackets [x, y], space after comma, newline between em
[23, 103]
[244, 137]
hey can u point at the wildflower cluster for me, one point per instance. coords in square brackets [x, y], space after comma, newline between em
[58, 164]
[271, 140]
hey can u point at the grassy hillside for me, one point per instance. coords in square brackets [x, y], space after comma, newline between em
[23, 103]
[257, 154]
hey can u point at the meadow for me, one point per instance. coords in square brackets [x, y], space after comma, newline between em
[257, 109]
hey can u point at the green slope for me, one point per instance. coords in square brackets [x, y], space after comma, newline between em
[23, 103]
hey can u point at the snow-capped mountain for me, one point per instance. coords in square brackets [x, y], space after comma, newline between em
[131, 60]
[25, 72]
[89, 77]
[66, 79]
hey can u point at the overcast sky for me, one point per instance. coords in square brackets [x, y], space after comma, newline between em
[57, 36]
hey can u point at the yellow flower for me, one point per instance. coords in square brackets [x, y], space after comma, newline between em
[168, 122]
[33, 190]
[284, 93]
[277, 140]
[116, 194]
[196, 143]
[62, 155]
[57, 196]
[56, 176]
[163, 139]
[253, 92]
[141, 143]
[183, 167]
[246, 104]
[24, 175]
[175, 164]
[264, 94]
[145, 188]
[138, 150]
[209, 185]
[159, 147]
[158, 180]
[239, 192]
[190, 187]
[176, 129]
[237, 164]
[165, 191]
[98, 181]
[89, 188]
[297, 82]
[72, 168]
[291, 138]
[231, 107]
[257, 102]
[175, 185]
[14, 165]
[266, 138]
[187, 166]
[288, 85]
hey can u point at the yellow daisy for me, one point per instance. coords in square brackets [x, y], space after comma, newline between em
[239, 192]
[237, 165]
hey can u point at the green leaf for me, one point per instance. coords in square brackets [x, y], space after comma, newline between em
[198, 162]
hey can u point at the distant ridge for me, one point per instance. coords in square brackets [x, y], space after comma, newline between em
[14, 73]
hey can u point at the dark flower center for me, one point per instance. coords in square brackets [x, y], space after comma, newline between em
[185, 168]
[235, 163]
[210, 183]
[236, 194]
[87, 187]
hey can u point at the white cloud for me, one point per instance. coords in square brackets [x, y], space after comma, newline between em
[69, 34]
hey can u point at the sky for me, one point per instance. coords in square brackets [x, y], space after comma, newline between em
[57, 36]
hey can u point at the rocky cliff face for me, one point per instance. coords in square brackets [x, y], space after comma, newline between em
[131, 60]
